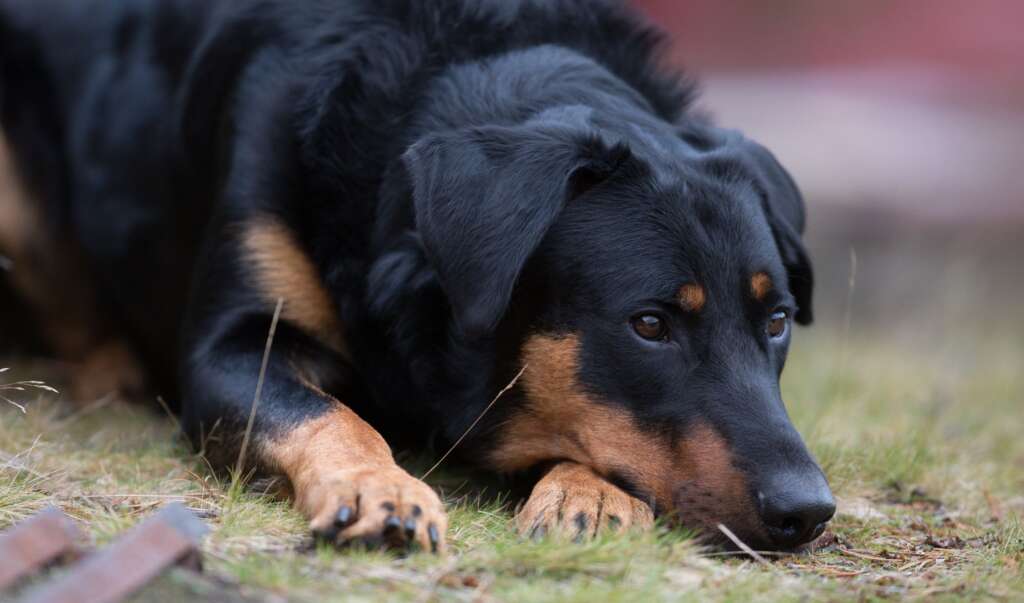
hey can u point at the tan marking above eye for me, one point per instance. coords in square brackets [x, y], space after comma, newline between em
[283, 270]
[692, 297]
[760, 285]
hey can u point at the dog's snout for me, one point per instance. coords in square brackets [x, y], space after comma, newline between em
[795, 507]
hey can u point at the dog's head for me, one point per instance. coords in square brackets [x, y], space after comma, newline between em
[648, 278]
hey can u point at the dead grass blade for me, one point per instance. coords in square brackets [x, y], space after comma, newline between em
[472, 426]
[259, 390]
[744, 547]
[22, 386]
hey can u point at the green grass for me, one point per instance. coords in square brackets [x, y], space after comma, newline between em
[922, 444]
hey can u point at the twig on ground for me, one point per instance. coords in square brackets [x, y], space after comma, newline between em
[259, 389]
[859, 555]
[472, 426]
[743, 546]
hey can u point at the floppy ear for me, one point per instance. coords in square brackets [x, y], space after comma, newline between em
[784, 208]
[782, 203]
[484, 199]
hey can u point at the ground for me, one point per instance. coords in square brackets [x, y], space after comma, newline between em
[917, 422]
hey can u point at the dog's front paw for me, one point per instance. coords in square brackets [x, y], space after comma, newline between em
[379, 507]
[573, 501]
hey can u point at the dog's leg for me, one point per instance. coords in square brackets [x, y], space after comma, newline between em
[573, 501]
[341, 471]
[46, 271]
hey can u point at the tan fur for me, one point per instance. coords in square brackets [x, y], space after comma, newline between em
[18, 219]
[562, 421]
[760, 285]
[572, 500]
[283, 270]
[710, 489]
[110, 368]
[692, 297]
[46, 268]
[338, 460]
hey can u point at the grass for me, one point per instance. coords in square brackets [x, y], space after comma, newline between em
[920, 436]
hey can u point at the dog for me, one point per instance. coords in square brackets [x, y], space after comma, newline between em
[427, 202]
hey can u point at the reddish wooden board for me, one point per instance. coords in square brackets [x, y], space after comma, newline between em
[45, 538]
[169, 538]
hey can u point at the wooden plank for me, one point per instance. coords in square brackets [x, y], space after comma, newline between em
[171, 537]
[45, 538]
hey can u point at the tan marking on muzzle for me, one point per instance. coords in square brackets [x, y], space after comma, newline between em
[561, 421]
[283, 270]
[760, 285]
[710, 489]
[692, 297]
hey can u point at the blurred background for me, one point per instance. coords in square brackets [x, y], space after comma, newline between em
[903, 123]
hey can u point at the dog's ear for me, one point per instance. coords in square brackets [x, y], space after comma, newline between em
[782, 203]
[784, 209]
[484, 199]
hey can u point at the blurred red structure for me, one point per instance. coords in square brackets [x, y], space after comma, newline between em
[906, 107]
[982, 38]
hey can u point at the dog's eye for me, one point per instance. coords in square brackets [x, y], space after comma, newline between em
[650, 326]
[777, 325]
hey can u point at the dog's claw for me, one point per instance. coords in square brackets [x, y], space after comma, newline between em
[377, 508]
[392, 524]
[435, 538]
[344, 518]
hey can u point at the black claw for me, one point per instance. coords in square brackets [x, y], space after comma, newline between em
[614, 521]
[392, 524]
[538, 531]
[328, 535]
[389, 507]
[435, 538]
[582, 523]
[344, 517]
[410, 527]
[416, 511]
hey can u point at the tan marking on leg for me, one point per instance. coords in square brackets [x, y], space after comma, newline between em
[283, 270]
[571, 500]
[338, 460]
[46, 268]
[109, 369]
[760, 285]
[17, 216]
[692, 297]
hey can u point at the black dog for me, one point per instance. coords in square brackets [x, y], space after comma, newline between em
[444, 194]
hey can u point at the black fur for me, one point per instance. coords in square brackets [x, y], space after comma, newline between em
[462, 173]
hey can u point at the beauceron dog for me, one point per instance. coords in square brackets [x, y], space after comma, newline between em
[446, 194]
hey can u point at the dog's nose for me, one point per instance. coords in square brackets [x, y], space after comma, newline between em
[795, 508]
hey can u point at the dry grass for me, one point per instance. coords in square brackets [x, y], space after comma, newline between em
[924, 453]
